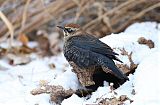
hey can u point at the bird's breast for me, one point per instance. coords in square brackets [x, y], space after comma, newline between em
[68, 50]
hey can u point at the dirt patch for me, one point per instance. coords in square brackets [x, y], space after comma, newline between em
[146, 42]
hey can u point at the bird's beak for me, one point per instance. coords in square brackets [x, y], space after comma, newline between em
[61, 27]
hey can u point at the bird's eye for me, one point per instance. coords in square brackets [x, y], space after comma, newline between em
[69, 30]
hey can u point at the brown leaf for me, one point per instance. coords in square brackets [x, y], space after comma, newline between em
[18, 59]
[43, 42]
[115, 100]
[43, 82]
[57, 93]
[52, 66]
[55, 43]
[3, 51]
[23, 38]
[144, 41]
[26, 50]
[124, 67]
[21, 50]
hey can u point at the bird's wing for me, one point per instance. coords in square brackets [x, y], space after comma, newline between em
[91, 43]
[81, 57]
[86, 59]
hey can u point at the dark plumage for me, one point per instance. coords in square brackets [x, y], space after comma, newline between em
[87, 53]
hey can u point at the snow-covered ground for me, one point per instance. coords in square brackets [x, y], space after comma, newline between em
[16, 82]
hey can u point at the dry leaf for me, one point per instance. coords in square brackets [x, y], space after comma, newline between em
[18, 59]
[3, 51]
[144, 41]
[43, 42]
[55, 43]
[22, 50]
[24, 39]
[43, 82]
[115, 100]
[26, 50]
[52, 66]
[124, 67]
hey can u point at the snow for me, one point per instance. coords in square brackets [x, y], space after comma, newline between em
[147, 84]
[73, 100]
[17, 81]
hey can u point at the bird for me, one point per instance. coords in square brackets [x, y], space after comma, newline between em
[90, 58]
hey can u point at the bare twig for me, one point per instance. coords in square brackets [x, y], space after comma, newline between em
[95, 16]
[10, 27]
[24, 16]
[140, 14]
[109, 12]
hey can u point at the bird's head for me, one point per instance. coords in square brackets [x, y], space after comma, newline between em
[70, 29]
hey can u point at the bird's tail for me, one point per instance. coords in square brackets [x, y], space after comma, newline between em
[109, 66]
[119, 73]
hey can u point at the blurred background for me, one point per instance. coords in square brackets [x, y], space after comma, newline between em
[36, 20]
